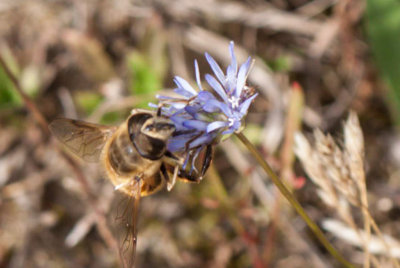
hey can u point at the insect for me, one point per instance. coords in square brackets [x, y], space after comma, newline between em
[134, 154]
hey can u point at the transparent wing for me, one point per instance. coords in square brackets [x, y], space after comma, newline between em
[129, 218]
[84, 139]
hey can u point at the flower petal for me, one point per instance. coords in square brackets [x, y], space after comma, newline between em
[215, 125]
[205, 139]
[217, 87]
[194, 111]
[230, 79]
[216, 69]
[197, 72]
[231, 70]
[177, 105]
[178, 121]
[236, 125]
[195, 124]
[205, 96]
[242, 76]
[225, 109]
[176, 144]
[191, 110]
[182, 83]
[245, 105]
[152, 105]
[183, 92]
[209, 116]
[233, 126]
[212, 106]
[233, 57]
[228, 131]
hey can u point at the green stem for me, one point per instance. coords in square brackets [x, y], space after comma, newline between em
[293, 201]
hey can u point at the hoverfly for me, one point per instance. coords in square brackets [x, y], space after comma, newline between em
[134, 154]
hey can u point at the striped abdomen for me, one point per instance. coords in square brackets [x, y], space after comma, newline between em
[124, 164]
[123, 156]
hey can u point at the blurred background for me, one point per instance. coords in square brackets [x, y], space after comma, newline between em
[95, 60]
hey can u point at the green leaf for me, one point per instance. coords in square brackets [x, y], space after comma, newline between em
[281, 64]
[112, 118]
[88, 101]
[383, 26]
[8, 96]
[144, 78]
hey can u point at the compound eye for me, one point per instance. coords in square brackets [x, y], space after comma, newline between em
[150, 127]
[164, 126]
[168, 126]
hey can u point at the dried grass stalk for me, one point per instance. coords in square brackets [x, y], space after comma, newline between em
[338, 172]
[375, 245]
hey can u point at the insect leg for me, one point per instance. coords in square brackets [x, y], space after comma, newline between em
[173, 158]
[188, 177]
[171, 184]
[187, 144]
[195, 176]
[164, 172]
[207, 160]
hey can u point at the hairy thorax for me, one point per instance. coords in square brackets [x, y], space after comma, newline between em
[124, 164]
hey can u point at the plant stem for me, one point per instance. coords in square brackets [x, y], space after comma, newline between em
[293, 201]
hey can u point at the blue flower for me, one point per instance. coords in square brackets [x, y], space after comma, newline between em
[203, 117]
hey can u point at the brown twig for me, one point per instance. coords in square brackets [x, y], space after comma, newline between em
[262, 16]
[28, 102]
[101, 223]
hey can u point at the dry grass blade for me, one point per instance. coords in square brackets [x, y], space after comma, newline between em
[354, 145]
[375, 244]
[340, 177]
[262, 16]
